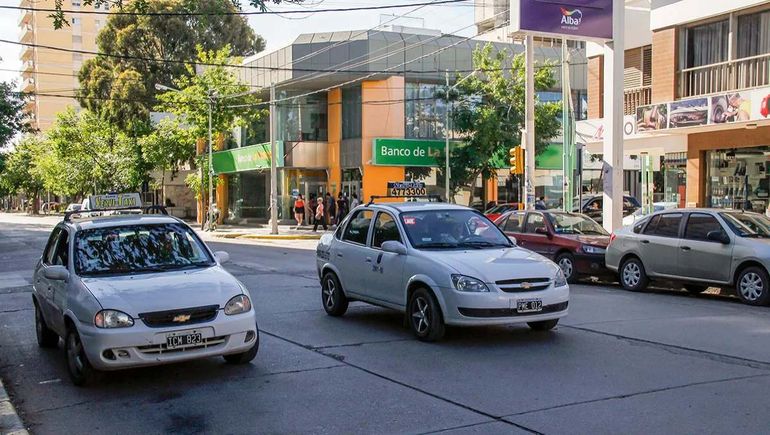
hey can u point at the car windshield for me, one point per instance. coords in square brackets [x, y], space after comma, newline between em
[747, 224]
[138, 249]
[572, 223]
[452, 229]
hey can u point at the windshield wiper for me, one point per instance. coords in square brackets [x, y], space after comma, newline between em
[437, 245]
[482, 244]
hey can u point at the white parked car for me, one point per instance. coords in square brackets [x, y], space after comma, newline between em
[137, 290]
[441, 264]
[656, 206]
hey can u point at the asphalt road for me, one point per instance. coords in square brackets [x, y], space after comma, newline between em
[621, 362]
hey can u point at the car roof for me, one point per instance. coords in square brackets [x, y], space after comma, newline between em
[120, 220]
[401, 207]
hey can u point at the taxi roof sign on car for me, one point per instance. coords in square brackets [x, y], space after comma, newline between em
[115, 202]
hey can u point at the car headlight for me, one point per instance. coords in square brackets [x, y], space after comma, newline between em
[112, 319]
[589, 249]
[237, 305]
[468, 284]
[559, 280]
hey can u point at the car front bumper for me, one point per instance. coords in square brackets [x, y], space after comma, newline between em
[499, 308]
[140, 345]
[591, 264]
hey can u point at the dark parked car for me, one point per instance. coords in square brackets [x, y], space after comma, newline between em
[592, 206]
[574, 241]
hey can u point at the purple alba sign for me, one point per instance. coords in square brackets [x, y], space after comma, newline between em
[580, 19]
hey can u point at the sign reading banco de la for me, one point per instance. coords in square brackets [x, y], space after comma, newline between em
[407, 152]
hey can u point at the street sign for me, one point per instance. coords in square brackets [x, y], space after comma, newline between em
[406, 188]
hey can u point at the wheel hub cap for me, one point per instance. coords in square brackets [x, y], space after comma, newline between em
[751, 286]
[566, 266]
[329, 293]
[420, 316]
[631, 274]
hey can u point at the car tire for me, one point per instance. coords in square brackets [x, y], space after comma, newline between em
[244, 357]
[695, 289]
[632, 275]
[79, 368]
[543, 325]
[753, 286]
[425, 318]
[332, 296]
[45, 336]
[567, 264]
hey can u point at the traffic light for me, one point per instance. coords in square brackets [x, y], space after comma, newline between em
[517, 160]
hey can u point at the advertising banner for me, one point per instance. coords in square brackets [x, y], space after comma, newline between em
[575, 18]
[245, 158]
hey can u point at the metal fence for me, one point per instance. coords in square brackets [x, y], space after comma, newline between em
[748, 72]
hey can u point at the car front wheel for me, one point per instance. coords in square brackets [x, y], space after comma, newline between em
[334, 300]
[425, 318]
[80, 370]
[567, 264]
[753, 286]
[45, 336]
[632, 275]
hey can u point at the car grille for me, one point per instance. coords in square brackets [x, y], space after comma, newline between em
[523, 285]
[184, 316]
[161, 349]
[510, 312]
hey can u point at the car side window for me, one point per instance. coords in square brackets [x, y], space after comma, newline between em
[699, 225]
[50, 248]
[514, 223]
[61, 253]
[534, 221]
[639, 225]
[357, 230]
[664, 225]
[385, 229]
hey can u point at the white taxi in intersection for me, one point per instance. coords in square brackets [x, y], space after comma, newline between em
[129, 290]
[440, 264]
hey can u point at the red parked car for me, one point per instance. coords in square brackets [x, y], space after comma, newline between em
[498, 210]
[573, 241]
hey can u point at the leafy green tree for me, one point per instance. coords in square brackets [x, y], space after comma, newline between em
[488, 115]
[13, 119]
[18, 174]
[168, 147]
[120, 86]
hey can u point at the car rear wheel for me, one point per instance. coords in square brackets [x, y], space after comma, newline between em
[425, 318]
[753, 286]
[45, 336]
[632, 275]
[543, 325]
[334, 300]
[567, 264]
[244, 357]
[80, 370]
[695, 289]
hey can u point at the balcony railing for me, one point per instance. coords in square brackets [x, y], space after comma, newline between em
[748, 72]
[633, 98]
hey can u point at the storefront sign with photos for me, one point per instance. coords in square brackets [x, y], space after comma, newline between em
[576, 18]
[407, 152]
[246, 158]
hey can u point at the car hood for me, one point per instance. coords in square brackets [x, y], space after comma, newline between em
[142, 293]
[588, 240]
[492, 265]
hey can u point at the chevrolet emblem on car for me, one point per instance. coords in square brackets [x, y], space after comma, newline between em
[181, 318]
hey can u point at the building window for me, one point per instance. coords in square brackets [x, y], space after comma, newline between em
[302, 118]
[425, 115]
[76, 3]
[753, 34]
[75, 21]
[351, 113]
[706, 44]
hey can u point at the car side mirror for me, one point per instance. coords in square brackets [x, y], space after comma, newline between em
[222, 256]
[543, 231]
[718, 236]
[394, 247]
[56, 273]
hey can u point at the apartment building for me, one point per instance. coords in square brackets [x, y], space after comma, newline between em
[697, 98]
[50, 76]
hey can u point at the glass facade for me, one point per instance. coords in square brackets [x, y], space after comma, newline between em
[738, 178]
[302, 118]
[351, 113]
[248, 193]
[425, 115]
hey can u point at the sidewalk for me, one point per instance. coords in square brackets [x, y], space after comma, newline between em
[262, 232]
[10, 423]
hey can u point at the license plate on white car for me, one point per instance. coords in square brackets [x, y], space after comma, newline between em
[183, 339]
[529, 305]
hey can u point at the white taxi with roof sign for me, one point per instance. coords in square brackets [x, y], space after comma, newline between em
[134, 290]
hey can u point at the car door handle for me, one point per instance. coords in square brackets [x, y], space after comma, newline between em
[645, 241]
[368, 259]
[339, 255]
[685, 248]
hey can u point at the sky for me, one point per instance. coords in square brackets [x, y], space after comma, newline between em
[280, 31]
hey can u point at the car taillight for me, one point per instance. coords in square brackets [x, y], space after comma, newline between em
[612, 237]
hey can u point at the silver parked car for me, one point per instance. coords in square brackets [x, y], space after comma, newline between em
[699, 247]
[441, 264]
[136, 290]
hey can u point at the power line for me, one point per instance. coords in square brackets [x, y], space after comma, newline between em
[225, 13]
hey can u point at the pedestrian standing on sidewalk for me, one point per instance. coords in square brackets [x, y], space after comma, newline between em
[331, 208]
[299, 210]
[354, 202]
[342, 207]
[319, 216]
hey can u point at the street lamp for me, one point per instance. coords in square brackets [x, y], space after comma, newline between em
[210, 100]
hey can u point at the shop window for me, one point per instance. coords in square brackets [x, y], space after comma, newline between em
[351, 113]
[738, 178]
[425, 114]
[303, 118]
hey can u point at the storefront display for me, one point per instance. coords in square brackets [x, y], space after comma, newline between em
[738, 178]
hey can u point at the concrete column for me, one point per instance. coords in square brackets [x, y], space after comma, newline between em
[528, 135]
[612, 213]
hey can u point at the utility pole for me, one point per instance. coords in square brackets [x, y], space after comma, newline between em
[528, 135]
[273, 166]
[614, 52]
[446, 139]
[211, 165]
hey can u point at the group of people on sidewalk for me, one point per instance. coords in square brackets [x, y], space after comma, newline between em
[325, 210]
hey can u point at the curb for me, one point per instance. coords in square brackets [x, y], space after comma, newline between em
[10, 423]
[280, 237]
